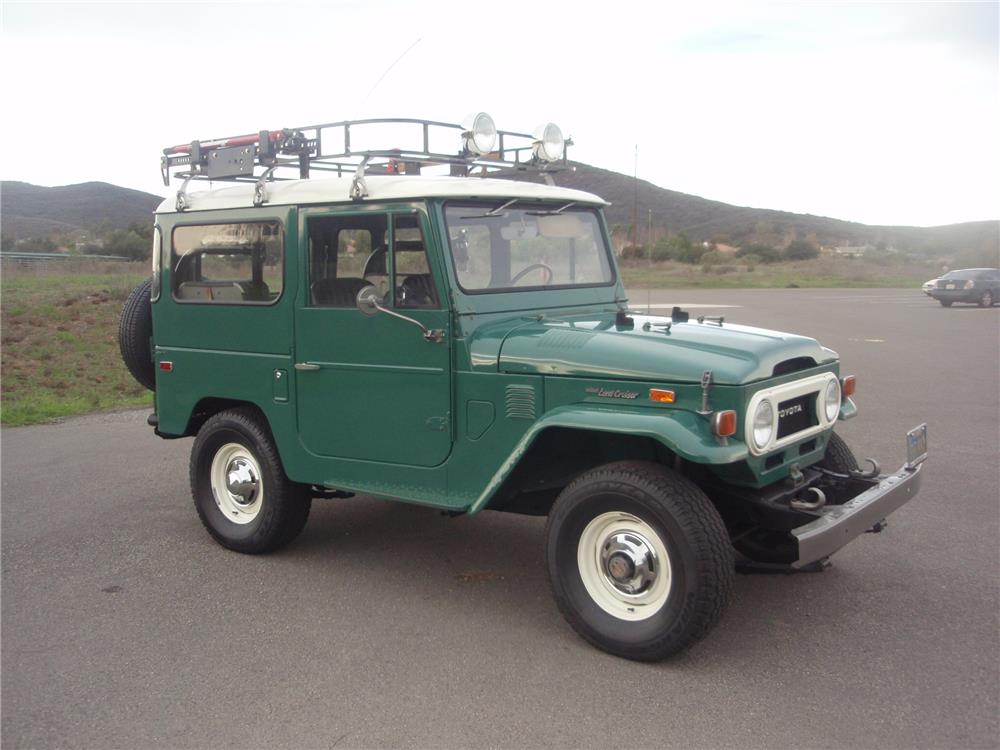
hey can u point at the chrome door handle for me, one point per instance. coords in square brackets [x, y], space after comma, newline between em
[305, 366]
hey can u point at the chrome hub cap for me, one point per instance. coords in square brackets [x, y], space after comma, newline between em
[624, 566]
[241, 481]
[236, 483]
[630, 562]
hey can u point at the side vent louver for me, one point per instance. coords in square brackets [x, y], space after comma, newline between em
[520, 402]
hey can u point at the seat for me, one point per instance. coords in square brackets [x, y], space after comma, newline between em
[255, 291]
[415, 290]
[337, 292]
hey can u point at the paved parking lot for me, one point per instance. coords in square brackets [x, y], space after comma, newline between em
[124, 625]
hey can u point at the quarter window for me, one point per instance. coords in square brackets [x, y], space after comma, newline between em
[240, 263]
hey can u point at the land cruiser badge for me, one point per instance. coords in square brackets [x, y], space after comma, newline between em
[613, 393]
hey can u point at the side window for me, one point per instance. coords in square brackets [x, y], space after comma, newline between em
[414, 284]
[238, 263]
[346, 254]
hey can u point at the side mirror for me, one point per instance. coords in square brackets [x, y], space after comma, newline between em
[368, 301]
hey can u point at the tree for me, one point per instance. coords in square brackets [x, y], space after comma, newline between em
[800, 250]
[127, 243]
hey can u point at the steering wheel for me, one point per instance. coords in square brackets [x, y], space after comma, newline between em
[533, 267]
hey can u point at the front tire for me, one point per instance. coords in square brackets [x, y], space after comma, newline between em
[986, 300]
[945, 302]
[839, 457]
[638, 559]
[240, 490]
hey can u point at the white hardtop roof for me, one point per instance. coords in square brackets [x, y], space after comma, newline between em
[380, 188]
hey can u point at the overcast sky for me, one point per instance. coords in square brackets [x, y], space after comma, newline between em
[879, 113]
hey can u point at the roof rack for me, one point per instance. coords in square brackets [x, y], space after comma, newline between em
[271, 154]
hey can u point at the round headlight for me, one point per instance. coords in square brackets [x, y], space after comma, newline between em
[480, 133]
[763, 424]
[831, 400]
[549, 144]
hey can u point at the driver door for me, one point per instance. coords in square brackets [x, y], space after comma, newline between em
[371, 388]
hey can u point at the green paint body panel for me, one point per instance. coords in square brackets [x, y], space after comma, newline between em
[376, 408]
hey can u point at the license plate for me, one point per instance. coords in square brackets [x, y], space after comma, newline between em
[916, 445]
[949, 286]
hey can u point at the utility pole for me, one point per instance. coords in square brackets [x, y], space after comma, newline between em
[649, 236]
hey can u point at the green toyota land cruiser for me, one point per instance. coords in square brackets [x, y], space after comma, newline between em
[465, 342]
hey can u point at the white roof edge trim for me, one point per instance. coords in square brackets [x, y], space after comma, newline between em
[380, 188]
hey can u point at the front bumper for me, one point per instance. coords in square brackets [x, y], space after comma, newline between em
[839, 524]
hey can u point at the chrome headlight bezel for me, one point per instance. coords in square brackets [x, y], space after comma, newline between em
[831, 400]
[763, 424]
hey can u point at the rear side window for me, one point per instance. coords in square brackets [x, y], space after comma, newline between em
[238, 263]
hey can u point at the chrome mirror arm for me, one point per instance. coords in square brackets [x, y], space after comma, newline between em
[368, 303]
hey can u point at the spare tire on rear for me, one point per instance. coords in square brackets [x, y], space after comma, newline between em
[135, 331]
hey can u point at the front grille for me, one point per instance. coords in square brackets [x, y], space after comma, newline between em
[796, 414]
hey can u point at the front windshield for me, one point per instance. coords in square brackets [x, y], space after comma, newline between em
[498, 247]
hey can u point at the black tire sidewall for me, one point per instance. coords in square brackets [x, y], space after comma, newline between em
[261, 533]
[600, 627]
[135, 327]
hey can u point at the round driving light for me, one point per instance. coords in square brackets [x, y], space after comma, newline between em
[480, 133]
[831, 400]
[549, 144]
[763, 424]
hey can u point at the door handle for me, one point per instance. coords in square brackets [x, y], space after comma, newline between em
[305, 366]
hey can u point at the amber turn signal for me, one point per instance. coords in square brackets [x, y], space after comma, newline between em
[847, 386]
[724, 423]
[661, 396]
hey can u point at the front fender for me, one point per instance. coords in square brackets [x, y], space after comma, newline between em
[685, 433]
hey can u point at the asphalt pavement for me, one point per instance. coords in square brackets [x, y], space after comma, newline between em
[385, 625]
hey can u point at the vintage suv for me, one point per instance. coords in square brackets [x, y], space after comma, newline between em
[465, 343]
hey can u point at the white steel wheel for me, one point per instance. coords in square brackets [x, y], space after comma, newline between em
[624, 566]
[237, 483]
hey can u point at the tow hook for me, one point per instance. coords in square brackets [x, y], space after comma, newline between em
[873, 472]
[879, 527]
[816, 504]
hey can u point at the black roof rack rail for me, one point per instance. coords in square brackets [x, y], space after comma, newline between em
[328, 148]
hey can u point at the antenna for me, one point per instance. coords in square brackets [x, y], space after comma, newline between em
[386, 72]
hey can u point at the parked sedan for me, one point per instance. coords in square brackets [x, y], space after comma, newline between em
[975, 285]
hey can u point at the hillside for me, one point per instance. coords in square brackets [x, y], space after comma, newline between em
[32, 211]
[703, 219]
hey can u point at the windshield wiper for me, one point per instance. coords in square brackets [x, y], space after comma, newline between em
[551, 213]
[498, 211]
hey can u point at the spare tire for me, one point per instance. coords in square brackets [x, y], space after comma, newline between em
[135, 331]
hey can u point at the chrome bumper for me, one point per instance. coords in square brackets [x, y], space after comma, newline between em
[839, 524]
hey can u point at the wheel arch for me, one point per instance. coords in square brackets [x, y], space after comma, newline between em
[606, 436]
[209, 406]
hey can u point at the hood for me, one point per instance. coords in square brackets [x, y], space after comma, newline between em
[594, 346]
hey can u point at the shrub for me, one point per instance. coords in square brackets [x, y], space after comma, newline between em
[762, 253]
[800, 250]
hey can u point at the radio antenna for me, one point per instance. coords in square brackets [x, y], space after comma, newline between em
[384, 74]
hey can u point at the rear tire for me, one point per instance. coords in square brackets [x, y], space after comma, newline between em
[240, 490]
[638, 559]
[135, 329]
[987, 299]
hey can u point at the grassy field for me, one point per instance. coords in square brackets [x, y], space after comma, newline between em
[59, 353]
[819, 273]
